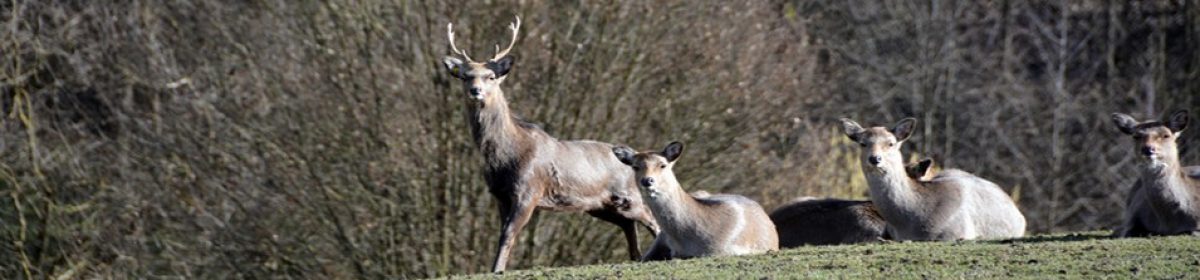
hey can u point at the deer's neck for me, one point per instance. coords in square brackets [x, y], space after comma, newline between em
[894, 189]
[671, 206]
[495, 130]
[1168, 183]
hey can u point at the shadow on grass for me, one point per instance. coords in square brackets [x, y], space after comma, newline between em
[1079, 236]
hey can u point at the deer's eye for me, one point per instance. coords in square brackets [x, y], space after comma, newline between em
[492, 77]
[662, 165]
[890, 144]
[864, 145]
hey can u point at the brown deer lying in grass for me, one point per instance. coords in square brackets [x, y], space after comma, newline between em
[831, 221]
[952, 205]
[527, 169]
[697, 224]
[1166, 198]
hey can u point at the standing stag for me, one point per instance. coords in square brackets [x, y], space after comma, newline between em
[527, 169]
[1165, 200]
[697, 224]
[952, 205]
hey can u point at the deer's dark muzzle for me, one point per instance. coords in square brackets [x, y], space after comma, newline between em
[1148, 151]
[874, 160]
[646, 182]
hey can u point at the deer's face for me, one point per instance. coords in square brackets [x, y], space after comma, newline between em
[1154, 141]
[479, 78]
[651, 169]
[881, 146]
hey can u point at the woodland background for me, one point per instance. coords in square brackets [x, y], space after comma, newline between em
[309, 139]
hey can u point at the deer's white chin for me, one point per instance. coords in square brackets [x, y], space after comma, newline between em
[877, 170]
[652, 192]
[1154, 162]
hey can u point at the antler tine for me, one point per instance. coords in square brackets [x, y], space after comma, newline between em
[515, 27]
[450, 34]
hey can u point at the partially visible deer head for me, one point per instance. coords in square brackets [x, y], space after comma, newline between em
[481, 78]
[921, 170]
[1154, 140]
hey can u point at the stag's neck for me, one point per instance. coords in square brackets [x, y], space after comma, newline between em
[495, 130]
[1169, 183]
[894, 189]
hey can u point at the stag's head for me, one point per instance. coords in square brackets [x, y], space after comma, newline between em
[881, 146]
[481, 78]
[1154, 141]
[651, 169]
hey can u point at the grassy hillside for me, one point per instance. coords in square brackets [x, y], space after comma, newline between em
[1087, 255]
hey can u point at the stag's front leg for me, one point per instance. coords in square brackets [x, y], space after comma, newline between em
[514, 220]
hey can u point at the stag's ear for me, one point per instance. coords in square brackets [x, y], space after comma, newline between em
[1124, 122]
[852, 129]
[624, 154]
[672, 151]
[904, 129]
[502, 65]
[454, 66]
[1177, 121]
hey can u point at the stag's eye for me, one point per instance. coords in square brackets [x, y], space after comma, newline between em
[662, 166]
[492, 77]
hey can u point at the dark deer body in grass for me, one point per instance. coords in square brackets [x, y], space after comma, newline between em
[697, 224]
[830, 221]
[953, 205]
[1165, 200]
[527, 169]
[827, 221]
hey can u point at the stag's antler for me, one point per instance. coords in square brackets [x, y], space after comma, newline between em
[450, 34]
[515, 27]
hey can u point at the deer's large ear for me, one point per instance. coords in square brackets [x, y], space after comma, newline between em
[672, 151]
[1124, 122]
[454, 66]
[502, 65]
[1177, 121]
[852, 129]
[904, 129]
[624, 154]
[920, 169]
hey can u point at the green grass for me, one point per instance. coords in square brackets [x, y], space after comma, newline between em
[1086, 255]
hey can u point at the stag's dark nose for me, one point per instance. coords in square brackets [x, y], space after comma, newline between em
[646, 182]
[1148, 151]
[474, 91]
[874, 160]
